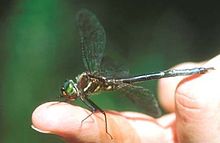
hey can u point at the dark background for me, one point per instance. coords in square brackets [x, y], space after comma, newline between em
[39, 49]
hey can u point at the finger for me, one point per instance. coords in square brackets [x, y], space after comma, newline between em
[153, 130]
[65, 120]
[167, 87]
[197, 106]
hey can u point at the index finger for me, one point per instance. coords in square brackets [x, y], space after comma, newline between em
[64, 120]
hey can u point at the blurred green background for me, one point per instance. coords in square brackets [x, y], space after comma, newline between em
[39, 49]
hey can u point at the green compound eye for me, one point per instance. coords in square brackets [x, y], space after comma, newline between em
[69, 88]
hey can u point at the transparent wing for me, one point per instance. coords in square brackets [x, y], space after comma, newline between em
[143, 99]
[93, 39]
[111, 69]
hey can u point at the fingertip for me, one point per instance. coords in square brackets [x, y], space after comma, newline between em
[65, 120]
[167, 87]
[166, 90]
[56, 117]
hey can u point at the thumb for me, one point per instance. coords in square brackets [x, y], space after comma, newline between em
[197, 103]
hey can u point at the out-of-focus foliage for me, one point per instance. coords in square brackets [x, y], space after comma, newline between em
[39, 49]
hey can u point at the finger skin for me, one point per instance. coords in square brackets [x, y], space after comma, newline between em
[195, 100]
[64, 120]
[197, 106]
[167, 87]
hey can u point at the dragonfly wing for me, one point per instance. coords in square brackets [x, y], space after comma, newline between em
[111, 69]
[93, 39]
[143, 98]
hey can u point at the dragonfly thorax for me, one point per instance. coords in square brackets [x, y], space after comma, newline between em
[88, 83]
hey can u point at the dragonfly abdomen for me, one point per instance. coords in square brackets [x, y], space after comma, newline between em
[165, 74]
[140, 78]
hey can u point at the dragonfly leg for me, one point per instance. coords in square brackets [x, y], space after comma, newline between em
[93, 108]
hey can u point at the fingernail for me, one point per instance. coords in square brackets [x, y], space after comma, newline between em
[39, 130]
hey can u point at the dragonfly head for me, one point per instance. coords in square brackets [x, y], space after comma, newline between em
[69, 90]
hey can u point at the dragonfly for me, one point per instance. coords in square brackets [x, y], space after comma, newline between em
[98, 77]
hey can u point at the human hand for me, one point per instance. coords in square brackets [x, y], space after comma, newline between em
[193, 102]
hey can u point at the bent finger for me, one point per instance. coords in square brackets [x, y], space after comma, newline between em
[197, 106]
[167, 87]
